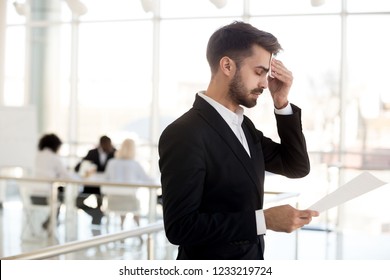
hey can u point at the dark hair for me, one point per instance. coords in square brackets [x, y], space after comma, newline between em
[50, 141]
[104, 139]
[235, 41]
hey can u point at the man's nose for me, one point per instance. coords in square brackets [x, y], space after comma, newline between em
[263, 82]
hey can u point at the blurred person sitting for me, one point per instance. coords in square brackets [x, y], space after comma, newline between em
[98, 157]
[123, 168]
[48, 165]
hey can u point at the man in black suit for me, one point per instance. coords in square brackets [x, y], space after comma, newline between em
[98, 156]
[213, 159]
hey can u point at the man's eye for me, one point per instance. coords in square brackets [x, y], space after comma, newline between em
[260, 73]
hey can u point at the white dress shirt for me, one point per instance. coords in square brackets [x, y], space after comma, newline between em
[234, 120]
[102, 156]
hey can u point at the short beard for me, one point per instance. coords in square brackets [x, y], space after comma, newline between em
[239, 93]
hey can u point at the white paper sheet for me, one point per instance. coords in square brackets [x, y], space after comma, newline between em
[361, 184]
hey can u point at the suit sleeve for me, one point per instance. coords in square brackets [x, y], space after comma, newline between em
[90, 156]
[290, 157]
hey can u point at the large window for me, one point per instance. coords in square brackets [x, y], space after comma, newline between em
[115, 74]
[183, 67]
[14, 82]
[130, 67]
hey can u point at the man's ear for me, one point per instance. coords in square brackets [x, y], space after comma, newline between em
[227, 66]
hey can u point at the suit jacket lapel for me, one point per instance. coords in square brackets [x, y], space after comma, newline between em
[214, 119]
[257, 159]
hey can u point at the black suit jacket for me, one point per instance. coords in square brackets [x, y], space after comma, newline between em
[93, 156]
[211, 187]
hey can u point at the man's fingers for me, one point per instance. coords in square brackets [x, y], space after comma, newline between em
[308, 214]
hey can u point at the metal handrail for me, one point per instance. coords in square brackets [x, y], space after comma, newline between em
[279, 196]
[56, 250]
[56, 181]
[78, 182]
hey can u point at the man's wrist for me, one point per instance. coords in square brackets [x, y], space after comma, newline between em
[287, 110]
[280, 107]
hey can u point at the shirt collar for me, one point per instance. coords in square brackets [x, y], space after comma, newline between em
[230, 117]
[100, 150]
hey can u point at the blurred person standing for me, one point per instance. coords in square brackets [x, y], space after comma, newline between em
[98, 156]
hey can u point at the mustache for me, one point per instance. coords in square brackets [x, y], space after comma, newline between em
[257, 90]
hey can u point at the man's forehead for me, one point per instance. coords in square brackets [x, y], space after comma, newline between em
[259, 58]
